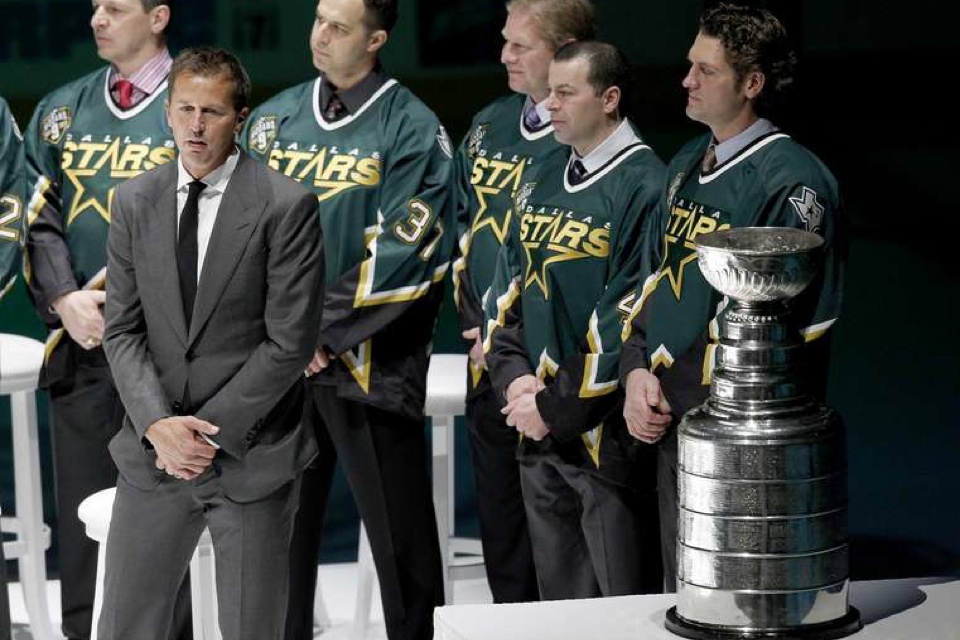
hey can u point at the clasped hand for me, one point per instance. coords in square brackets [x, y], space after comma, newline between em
[181, 450]
[521, 409]
[645, 409]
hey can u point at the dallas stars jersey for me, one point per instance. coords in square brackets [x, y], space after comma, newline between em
[556, 306]
[773, 182]
[11, 198]
[79, 146]
[490, 166]
[382, 176]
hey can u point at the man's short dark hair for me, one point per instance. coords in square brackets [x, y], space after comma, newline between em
[381, 14]
[210, 62]
[753, 40]
[606, 66]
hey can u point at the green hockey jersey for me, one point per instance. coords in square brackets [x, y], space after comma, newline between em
[11, 198]
[561, 293]
[382, 176]
[772, 182]
[79, 146]
[490, 164]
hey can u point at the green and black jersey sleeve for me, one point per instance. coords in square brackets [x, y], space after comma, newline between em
[11, 198]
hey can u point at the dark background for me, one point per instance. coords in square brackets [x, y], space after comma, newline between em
[871, 101]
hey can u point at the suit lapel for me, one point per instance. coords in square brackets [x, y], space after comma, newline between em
[237, 217]
[162, 220]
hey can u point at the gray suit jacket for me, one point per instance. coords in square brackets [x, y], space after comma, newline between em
[254, 326]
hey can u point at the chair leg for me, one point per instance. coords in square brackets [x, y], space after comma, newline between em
[34, 533]
[366, 583]
[203, 592]
[321, 617]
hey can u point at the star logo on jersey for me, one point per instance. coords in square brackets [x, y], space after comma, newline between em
[476, 139]
[55, 124]
[808, 208]
[688, 220]
[262, 133]
[538, 262]
[481, 221]
[444, 141]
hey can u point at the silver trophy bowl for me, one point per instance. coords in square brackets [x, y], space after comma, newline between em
[759, 264]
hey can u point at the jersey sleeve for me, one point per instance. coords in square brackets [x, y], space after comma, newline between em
[408, 250]
[465, 295]
[48, 270]
[503, 344]
[583, 390]
[11, 198]
[633, 354]
[811, 202]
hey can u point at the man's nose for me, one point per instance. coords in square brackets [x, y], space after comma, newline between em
[98, 19]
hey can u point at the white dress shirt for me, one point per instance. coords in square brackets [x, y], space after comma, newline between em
[208, 203]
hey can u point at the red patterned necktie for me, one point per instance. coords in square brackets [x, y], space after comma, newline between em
[124, 93]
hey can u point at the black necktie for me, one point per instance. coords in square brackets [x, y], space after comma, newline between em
[577, 172]
[335, 109]
[187, 252]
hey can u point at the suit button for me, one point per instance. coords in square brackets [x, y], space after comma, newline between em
[190, 355]
[177, 408]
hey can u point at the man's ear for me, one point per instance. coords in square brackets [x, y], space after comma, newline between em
[159, 18]
[376, 41]
[241, 118]
[611, 99]
[753, 84]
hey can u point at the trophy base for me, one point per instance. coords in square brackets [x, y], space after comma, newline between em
[850, 623]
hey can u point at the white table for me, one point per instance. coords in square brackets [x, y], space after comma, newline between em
[915, 609]
[20, 362]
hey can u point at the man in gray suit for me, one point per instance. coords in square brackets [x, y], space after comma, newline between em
[212, 387]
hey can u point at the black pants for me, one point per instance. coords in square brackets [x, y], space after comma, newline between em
[86, 413]
[667, 501]
[503, 521]
[591, 537]
[384, 457]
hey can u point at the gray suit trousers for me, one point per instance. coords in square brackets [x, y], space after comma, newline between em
[153, 535]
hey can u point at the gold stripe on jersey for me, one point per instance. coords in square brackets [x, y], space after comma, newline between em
[504, 303]
[710, 353]
[589, 386]
[648, 287]
[547, 367]
[591, 440]
[365, 297]
[460, 265]
[661, 358]
[359, 364]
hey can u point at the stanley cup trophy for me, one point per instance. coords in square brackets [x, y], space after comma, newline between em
[762, 479]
